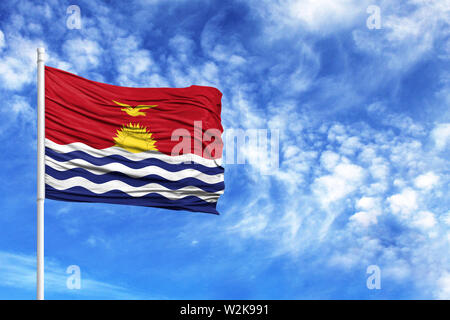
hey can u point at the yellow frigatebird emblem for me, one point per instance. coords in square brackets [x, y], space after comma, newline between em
[134, 111]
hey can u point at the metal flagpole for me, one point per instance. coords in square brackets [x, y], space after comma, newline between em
[40, 172]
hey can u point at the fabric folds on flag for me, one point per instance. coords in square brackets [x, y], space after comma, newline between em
[114, 144]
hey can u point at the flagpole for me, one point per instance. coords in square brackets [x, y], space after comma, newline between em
[40, 172]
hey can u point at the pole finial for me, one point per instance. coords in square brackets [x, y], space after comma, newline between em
[40, 54]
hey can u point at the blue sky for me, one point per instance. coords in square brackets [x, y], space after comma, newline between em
[364, 126]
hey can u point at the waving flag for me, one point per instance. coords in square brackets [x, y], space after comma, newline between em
[156, 147]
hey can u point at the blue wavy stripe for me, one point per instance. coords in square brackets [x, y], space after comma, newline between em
[135, 182]
[129, 163]
[80, 194]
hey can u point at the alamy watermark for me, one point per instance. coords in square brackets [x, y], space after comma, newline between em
[74, 19]
[374, 20]
[257, 147]
[74, 279]
[374, 279]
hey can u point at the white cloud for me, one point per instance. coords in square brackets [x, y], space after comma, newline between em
[313, 15]
[364, 218]
[83, 54]
[398, 269]
[133, 62]
[18, 62]
[19, 271]
[2, 40]
[345, 179]
[441, 135]
[404, 203]
[408, 34]
[337, 133]
[320, 15]
[444, 287]
[426, 181]
[379, 168]
[17, 112]
[20, 107]
[95, 241]
[370, 209]
[367, 154]
[183, 47]
[329, 160]
[350, 146]
[446, 218]
[251, 225]
[367, 203]
[424, 220]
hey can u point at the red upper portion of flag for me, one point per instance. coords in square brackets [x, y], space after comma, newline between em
[81, 110]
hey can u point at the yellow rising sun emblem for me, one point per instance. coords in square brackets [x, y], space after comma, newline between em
[134, 138]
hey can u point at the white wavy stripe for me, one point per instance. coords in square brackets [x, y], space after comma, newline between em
[99, 153]
[132, 191]
[133, 173]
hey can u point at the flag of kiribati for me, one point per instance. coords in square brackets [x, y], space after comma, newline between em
[155, 147]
